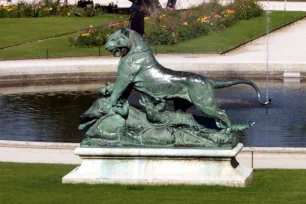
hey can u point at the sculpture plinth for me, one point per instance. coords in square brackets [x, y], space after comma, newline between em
[154, 145]
[157, 166]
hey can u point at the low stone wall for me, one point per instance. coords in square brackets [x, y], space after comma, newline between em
[95, 68]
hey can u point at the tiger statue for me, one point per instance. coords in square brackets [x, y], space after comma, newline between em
[138, 69]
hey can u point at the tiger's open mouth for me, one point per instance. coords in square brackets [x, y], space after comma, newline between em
[119, 51]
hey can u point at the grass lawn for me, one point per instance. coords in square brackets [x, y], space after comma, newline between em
[20, 30]
[214, 42]
[41, 183]
[58, 47]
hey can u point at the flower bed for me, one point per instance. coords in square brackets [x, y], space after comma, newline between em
[172, 27]
[53, 8]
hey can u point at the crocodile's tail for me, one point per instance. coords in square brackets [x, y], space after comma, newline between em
[223, 84]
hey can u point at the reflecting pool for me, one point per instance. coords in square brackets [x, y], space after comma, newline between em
[51, 113]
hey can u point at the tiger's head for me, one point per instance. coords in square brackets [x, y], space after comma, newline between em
[119, 43]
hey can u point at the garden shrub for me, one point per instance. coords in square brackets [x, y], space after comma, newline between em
[247, 9]
[46, 8]
[89, 12]
[96, 36]
[162, 36]
[4, 13]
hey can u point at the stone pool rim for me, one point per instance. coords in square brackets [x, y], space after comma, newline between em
[97, 68]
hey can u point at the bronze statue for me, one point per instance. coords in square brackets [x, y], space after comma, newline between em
[138, 69]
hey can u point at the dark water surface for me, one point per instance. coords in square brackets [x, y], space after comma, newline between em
[42, 114]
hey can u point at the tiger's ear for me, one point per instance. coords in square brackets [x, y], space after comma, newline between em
[125, 32]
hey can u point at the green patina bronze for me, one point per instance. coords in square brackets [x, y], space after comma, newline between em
[112, 122]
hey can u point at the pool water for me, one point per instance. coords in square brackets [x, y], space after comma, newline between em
[53, 115]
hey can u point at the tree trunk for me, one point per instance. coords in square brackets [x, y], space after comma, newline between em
[171, 4]
[152, 7]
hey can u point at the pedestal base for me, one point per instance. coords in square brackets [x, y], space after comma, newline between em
[159, 166]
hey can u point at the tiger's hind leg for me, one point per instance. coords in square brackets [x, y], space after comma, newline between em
[203, 98]
[217, 114]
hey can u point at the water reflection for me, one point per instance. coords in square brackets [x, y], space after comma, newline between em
[43, 117]
[52, 114]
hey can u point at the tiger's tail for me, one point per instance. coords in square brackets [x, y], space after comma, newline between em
[218, 84]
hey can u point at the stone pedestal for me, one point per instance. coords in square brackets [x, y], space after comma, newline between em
[159, 166]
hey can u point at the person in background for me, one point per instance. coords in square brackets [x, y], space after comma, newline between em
[135, 7]
[137, 16]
